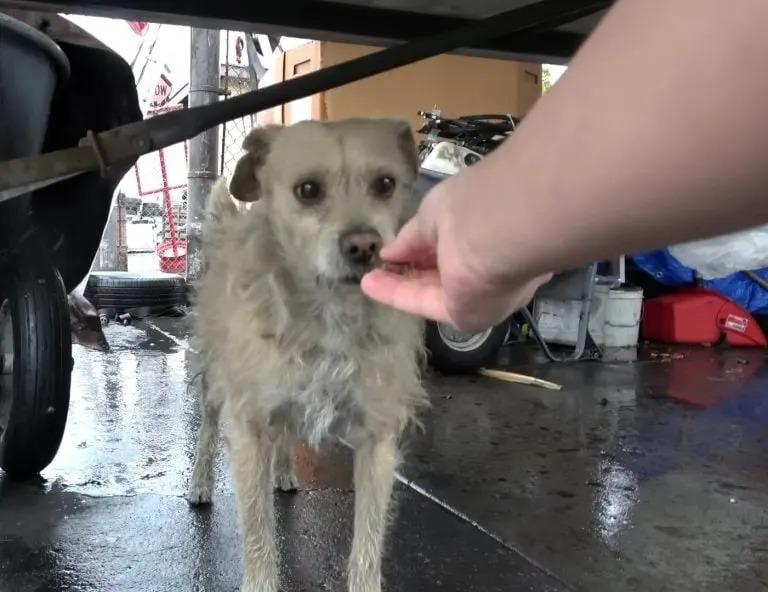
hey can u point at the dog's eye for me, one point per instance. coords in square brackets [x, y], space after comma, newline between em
[308, 191]
[383, 186]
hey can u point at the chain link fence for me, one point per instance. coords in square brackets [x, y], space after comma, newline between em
[156, 188]
[237, 78]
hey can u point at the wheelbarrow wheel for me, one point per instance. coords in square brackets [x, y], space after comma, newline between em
[36, 346]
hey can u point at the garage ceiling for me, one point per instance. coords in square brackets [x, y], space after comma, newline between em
[369, 21]
[459, 9]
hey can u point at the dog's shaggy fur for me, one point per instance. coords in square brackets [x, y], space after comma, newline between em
[292, 349]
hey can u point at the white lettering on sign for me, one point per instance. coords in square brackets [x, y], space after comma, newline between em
[736, 323]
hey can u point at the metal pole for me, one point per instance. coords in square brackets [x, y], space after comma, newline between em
[203, 149]
[113, 254]
[122, 234]
[106, 257]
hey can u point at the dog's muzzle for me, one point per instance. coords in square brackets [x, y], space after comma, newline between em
[359, 248]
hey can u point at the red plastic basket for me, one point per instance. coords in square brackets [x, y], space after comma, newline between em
[173, 256]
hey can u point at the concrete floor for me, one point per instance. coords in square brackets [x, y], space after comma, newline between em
[650, 475]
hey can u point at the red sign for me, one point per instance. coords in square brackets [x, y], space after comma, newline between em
[138, 27]
[162, 92]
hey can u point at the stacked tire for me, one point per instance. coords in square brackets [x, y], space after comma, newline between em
[121, 291]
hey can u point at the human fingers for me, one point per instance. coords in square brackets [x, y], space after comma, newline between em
[418, 292]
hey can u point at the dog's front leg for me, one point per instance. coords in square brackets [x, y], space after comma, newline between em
[251, 454]
[375, 463]
[282, 465]
[201, 483]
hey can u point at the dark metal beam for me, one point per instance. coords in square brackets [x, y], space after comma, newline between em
[315, 19]
[99, 151]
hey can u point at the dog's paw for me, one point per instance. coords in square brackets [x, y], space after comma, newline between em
[259, 583]
[199, 495]
[364, 585]
[287, 482]
[362, 579]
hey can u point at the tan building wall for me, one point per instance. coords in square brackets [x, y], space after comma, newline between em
[458, 85]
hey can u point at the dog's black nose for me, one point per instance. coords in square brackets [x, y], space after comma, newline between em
[360, 245]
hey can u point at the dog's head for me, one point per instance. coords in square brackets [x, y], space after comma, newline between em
[333, 192]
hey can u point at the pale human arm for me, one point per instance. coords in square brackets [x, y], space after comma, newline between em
[657, 134]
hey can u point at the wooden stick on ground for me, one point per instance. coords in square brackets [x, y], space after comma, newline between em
[520, 379]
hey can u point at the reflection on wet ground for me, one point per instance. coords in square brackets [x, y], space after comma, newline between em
[633, 478]
[642, 475]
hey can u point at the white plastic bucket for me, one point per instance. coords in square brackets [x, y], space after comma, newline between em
[622, 317]
[558, 320]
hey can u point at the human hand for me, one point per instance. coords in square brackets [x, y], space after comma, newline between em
[446, 279]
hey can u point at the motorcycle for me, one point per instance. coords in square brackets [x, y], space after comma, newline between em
[449, 146]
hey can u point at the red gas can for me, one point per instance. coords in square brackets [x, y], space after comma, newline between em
[699, 316]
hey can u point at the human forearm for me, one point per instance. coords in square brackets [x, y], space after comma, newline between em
[651, 137]
[648, 140]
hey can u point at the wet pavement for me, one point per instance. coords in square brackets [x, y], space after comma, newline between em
[643, 475]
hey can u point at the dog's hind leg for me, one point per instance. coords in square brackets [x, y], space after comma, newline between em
[201, 483]
[375, 463]
[251, 453]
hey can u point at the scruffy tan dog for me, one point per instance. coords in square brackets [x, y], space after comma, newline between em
[292, 349]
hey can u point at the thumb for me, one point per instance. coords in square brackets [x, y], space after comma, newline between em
[409, 244]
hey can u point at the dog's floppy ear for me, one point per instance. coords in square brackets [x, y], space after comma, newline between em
[407, 145]
[245, 185]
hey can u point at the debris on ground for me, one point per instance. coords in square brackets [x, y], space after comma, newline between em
[520, 379]
[667, 356]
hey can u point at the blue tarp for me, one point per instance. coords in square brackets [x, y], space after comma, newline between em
[738, 287]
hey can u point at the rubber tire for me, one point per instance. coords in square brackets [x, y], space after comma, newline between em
[122, 290]
[42, 370]
[449, 361]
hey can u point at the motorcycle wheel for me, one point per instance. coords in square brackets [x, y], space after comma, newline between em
[459, 352]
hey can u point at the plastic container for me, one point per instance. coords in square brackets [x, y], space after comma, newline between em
[614, 319]
[623, 311]
[558, 320]
[700, 316]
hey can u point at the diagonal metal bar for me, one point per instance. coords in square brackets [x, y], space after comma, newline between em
[126, 143]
